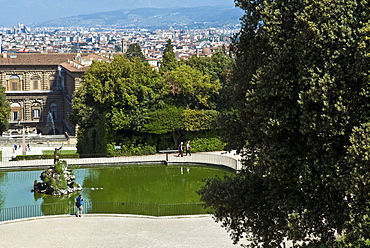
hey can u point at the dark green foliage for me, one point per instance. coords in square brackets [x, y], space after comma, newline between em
[207, 144]
[197, 120]
[301, 100]
[55, 178]
[92, 140]
[191, 88]
[127, 102]
[4, 111]
[115, 96]
[169, 61]
[44, 156]
[204, 140]
[220, 66]
[130, 150]
[134, 51]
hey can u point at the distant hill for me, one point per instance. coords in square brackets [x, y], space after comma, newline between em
[156, 18]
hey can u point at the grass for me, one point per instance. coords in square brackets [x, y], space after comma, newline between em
[51, 152]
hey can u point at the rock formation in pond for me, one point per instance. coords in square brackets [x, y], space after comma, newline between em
[57, 180]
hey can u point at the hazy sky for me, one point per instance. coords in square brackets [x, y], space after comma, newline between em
[30, 12]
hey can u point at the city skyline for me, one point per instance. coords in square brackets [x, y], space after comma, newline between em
[31, 12]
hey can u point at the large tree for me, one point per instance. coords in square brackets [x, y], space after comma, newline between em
[191, 88]
[134, 51]
[114, 97]
[220, 66]
[4, 111]
[169, 61]
[302, 98]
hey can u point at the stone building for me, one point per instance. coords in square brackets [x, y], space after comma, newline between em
[39, 89]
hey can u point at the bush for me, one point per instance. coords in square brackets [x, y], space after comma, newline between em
[207, 144]
[130, 150]
[49, 156]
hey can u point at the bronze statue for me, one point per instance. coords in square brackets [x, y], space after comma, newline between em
[56, 154]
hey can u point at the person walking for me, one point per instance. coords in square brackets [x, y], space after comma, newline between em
[188, 148]
[181, 150]
[79, 206]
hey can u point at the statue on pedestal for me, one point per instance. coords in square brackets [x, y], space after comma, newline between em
[57, 179]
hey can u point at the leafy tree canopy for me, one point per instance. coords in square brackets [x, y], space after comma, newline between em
[4, 111]
[190, 88]
[169, 61]
[220, 66]
[120, 92]
[302, 99]
[134, 51]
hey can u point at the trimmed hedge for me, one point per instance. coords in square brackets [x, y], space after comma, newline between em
[207, 144]
[33, 157]
[130, 150]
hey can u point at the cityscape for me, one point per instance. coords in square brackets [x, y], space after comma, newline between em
[111, 40]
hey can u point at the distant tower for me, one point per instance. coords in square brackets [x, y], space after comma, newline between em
[124, 45]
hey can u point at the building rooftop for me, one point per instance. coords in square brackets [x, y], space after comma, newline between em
[35, 58]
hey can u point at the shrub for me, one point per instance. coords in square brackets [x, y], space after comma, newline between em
[130, 150]
[207, 144]
[49, 156]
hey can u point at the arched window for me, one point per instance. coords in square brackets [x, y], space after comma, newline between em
[54, 111]
[52, 82]
[35, 82]
[14, 83]
[15, 109]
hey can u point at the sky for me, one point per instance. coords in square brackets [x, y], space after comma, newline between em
[30, 12]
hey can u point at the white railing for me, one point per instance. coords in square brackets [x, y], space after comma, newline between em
[198, 158]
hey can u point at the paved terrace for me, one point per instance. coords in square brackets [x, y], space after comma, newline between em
[215, 158]
[116, 230]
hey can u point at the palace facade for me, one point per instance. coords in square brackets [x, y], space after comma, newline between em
[39, 88]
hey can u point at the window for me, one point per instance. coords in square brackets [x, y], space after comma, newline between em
[35, 82]
[14, 82]
[15, 111]
[36, 113]
[15, 116]
[54, 111]
[14, 85]
[52, 82]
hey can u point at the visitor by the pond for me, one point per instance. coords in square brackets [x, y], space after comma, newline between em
[188, 148]
[79, 206]
[28, 147]
[181, 150]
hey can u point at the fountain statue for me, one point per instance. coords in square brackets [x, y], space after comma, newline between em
[57, 179]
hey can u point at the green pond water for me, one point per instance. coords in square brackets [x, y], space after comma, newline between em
[157, 184]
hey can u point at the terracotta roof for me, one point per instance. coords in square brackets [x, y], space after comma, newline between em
[72, 68]
[36, 58]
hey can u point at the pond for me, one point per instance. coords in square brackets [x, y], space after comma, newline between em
[152, 184]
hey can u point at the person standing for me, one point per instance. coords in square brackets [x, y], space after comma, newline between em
[188, 148]
[79, 206]
[181, 150]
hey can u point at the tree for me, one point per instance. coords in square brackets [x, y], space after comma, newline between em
[4, 111]
[115, 96]
[190, 88]
[220, 66]
[302, 99]
[166, 120]
[134, 51]
[169, 61]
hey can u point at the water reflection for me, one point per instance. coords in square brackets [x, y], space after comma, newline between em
[157, 184]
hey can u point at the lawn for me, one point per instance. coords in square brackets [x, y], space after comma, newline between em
[51, 152]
